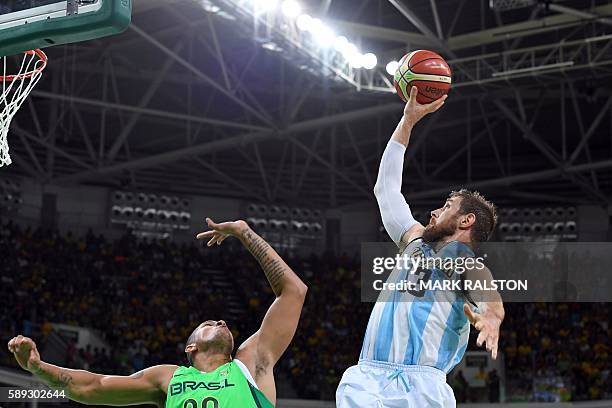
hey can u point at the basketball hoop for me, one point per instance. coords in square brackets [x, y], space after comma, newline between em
[15, 89]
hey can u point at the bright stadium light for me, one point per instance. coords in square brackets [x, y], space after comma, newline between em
[340, 43]
[323, 35]
[369, 60]
[315, 25]
[262, 6]
[291, 8]
[392, 67]
[211, 8]
[355, 61]
[304, 22]
[353, 56]
[350, 50]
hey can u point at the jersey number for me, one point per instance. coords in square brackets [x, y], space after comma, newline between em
[424, 275]
[191, 403]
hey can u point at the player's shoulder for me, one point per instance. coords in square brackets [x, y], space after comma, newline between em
[414, 234]
[164, 368]
[158, 374]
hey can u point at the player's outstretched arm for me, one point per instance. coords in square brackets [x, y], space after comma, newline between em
[144, 387]
[490, 315]
[395, 212]
[281, 320]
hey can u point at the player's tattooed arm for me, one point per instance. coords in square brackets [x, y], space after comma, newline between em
[90, 388]
[263, 349]
[275, 269]
[280, 322]
[280, 276]
[59, 378]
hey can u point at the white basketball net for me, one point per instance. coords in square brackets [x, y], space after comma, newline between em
[15, 90]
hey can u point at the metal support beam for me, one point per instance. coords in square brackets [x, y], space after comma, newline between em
[550, 153]
[262, 173]
[230, 180]
[50, 146]
[144, 111]
[414, 19]
[522, 29]
[578, 13]
[85, 134]
[186, 64]
[517, 179]
[364, 168]
[231, 142]
[434, 10]
[300, 182]
[144, 101]
[330, 167]
[594, 124]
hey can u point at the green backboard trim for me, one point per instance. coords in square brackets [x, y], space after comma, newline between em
[113, 17]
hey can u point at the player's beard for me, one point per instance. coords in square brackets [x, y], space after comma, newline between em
[437, 232]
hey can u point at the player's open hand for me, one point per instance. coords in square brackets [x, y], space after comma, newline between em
[414, 111]
[487, 323]
[219, 232]
[25, 352]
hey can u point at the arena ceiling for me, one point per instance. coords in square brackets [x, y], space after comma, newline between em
[190, 102]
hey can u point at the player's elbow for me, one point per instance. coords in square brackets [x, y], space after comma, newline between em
[297, 291]
[301, 290]
[378, 189]
[88, 394]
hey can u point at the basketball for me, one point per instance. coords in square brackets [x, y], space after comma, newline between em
[426, 70]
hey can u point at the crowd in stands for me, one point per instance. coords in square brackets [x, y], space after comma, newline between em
[145, 298]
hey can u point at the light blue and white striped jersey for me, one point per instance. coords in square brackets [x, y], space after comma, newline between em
[427, 328]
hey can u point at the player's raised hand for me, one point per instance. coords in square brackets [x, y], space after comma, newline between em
[25, 352]
[487, 323]
[414, 111]
[219, 232]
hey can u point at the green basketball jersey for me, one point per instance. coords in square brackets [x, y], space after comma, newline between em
[226, 387]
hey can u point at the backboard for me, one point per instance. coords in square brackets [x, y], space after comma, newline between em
[30, 24]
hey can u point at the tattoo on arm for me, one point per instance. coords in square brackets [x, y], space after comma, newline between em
[272, 265]
[62, 380]
[138, 374]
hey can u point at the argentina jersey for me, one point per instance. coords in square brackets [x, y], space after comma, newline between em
[420, 326]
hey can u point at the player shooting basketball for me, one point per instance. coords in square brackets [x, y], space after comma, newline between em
[414, 338]
[214, 379]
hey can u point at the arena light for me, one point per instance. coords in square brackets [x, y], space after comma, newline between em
[185, 217]
[355, 61]
[369, 60]
[303, 22]
[211, 8]
[322, 34]
[271, 46]
[504, 5]
[340, 44]
[291, 8]
[264, 6]
[353, 56]
[392, 67]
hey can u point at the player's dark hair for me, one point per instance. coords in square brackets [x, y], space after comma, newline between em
[191, 340]
[484, 210]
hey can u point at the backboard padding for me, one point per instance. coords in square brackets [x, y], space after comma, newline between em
[99, 19]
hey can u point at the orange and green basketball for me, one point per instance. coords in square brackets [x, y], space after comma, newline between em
[426, 70]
